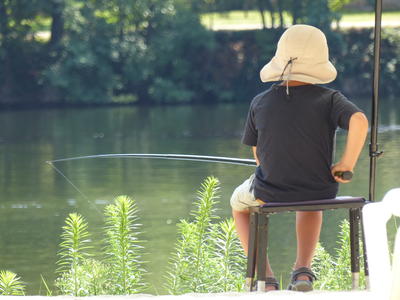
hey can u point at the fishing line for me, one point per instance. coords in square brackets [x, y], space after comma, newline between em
[186, 157]
[73, 185]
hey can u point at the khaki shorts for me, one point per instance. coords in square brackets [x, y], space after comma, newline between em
[242, 198]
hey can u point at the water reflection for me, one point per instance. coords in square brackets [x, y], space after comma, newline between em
[35, 199]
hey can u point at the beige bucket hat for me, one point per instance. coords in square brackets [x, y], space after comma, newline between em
[302, 55]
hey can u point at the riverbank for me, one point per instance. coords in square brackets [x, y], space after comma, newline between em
[365, 295]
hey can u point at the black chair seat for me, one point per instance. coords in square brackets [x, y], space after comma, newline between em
[312, 205]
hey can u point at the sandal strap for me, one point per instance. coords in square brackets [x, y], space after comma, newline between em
[272, 281]
[303, 271]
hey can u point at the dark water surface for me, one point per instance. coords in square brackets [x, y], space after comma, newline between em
[35, 200]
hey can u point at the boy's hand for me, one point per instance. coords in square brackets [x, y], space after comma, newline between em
[339, 167]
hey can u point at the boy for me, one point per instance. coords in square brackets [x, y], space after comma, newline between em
[291, 129]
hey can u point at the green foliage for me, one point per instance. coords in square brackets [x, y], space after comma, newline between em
[75, 242]
[91, 279]
[72, 254]
[10, 284]
[123, 247]
[336, 5]
[333, 273]
[230, 258]
[46, 286]
[84, 72]
[121, 271]
[208, 257]
[157, 51]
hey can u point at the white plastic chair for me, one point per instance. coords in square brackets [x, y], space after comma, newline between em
[384, 276]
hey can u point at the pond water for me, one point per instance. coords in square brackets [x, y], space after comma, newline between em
[35, 200]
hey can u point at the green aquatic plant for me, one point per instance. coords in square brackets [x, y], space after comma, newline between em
[120, 273]
[75, 243]
[10, 284]
[91, 276]
[229, 256]
[204, 213]
[123, 248]
[46, 286]
[208, 256]
[333, 272]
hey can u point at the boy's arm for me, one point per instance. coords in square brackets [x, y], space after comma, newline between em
[358, 129]
[255, 155]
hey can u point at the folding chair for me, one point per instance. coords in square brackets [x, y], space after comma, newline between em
[258, 237]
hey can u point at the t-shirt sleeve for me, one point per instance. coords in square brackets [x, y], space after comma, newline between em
[250, 132]
[341, 111]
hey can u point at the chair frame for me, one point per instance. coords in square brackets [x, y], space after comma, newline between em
[258, 234]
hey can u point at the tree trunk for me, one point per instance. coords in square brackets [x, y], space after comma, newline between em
[7, 82]
[280, 9]
[295, 11]
[57, 23]
[271, 12]
[4, 30]
[261, 10]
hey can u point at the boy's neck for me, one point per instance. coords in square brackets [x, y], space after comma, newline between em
[294, 83]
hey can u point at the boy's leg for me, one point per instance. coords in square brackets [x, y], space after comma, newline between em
[242, 227]
[242, 198]
[308, 228]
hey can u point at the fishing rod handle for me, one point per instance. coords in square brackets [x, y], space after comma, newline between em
[345, 175]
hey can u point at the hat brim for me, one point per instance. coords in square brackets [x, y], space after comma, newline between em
[311, 73]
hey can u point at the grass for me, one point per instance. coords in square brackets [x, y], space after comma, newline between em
[370, 16]
[253, 18]
[238, 17]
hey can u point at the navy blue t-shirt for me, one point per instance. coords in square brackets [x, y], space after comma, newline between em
[294, 136]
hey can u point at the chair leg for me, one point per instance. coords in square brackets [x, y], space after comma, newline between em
[262, 245]
[366, 269]
[355, 246]
[252, 248]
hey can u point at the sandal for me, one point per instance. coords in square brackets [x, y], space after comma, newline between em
[271, 281]
[302, 285]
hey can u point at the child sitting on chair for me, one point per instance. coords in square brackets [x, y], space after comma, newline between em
[291, 128]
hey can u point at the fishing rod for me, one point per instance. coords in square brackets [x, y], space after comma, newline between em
[188, 157]
[347, 175]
